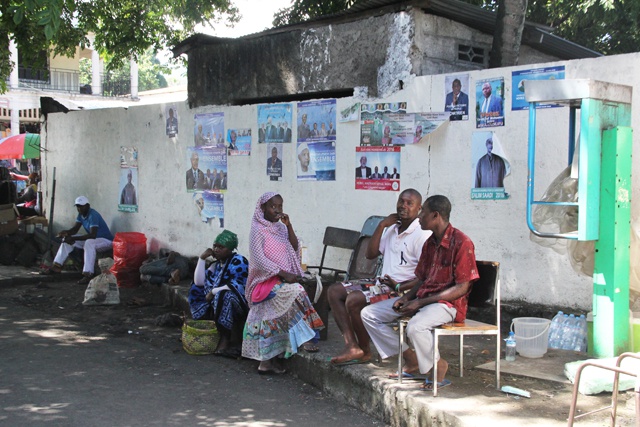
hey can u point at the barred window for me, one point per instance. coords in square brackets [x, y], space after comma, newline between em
[474, 54]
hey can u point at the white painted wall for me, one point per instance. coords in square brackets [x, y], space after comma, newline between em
[84, 147]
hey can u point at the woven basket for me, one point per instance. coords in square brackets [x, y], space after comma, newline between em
[199, 337]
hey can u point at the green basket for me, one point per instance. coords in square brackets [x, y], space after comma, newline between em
[199, 337]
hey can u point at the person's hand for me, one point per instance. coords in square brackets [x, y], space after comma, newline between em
[207, 253]
[387, 280]
[285, 219]
[209, 296]
[408, 308]
[63, 233]
[68, 240]
[288, 277]
[390, 220]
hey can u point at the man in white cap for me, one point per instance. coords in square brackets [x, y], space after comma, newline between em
[305, 168]
[98, 237]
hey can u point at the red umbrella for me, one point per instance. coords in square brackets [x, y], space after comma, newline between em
[23, 146]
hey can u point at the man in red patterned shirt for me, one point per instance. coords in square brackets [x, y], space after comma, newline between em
[444, 275]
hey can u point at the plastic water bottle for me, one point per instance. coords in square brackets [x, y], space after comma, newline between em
[555, 330]
[580, 339]
[510, 352]
[568, 332]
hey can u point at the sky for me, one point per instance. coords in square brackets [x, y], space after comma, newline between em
[257, 16]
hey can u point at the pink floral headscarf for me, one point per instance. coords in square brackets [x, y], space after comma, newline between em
[269, 248]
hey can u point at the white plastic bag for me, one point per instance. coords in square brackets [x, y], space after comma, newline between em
[103, 289]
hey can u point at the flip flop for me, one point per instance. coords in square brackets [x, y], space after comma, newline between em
[310, 347]
[349, 362]
[271, 372]
[407, 376]
[428, 384]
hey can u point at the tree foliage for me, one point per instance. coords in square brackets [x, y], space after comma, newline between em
[606, 26]
[303, 10]
[122, 28]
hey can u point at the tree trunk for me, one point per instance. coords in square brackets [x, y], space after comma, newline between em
[508, 34]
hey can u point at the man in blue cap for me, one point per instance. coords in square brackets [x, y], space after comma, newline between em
[98, 237]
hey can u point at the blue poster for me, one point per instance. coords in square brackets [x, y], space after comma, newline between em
[208, 169]
[209, 130]
[518, 81]
[239, 142]
[316, 161]
[490, 103]
[210, 206]
[317, 120]
[274, 123]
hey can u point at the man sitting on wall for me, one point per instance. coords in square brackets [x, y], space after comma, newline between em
[399, 239]
[98, 237]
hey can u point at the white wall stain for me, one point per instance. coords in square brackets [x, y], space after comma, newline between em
[397, 64]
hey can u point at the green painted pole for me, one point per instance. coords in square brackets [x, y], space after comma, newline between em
[611, 269]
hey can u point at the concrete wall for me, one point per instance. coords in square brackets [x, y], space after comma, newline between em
[351, 55]
[84, 147]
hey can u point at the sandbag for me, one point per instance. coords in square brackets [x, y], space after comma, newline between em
[102, 289]
[129, 252]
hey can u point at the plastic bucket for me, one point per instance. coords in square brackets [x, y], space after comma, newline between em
[532, 336]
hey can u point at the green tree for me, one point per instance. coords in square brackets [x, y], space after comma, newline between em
[303, 10]
[122, 28]
[151, 73]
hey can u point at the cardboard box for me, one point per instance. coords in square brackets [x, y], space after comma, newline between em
[8, 219]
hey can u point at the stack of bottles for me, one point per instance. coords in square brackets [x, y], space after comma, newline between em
[568, 332]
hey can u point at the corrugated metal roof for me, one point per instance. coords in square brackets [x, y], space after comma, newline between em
[535, 35]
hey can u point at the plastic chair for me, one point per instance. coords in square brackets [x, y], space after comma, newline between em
[337, 238]
[359, 266]
[485, 293]
[614, 395]
[370, 225]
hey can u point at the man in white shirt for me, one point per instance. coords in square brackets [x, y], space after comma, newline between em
[399, 239]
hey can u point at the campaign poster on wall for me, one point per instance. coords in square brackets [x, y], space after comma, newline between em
[210, 206]
[209, 130]
[316, 161]
[171, 113]
[316, 120]
[519, 79]
[378, 168]
[274, 123]
[239, 142]
[490, 103]
[274, 162]
[377, 121]
[456, 99]
[426, 123]
[490, 166]
[128, 200]
[213, 160]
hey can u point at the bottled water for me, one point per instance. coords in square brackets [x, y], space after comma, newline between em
[555, 330]
[580, 338]
[569, 329]
[510, 352]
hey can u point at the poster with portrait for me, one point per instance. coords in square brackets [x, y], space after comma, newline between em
[171, 127]
[377, 121]
[207, 169]
[456, 96]
[427, 123]
[518, 82]
[490, 166]
[274, 123]
[209, 130]
[128, 185]
[378, 168]
[210, 206]
[239, 142]
[490, 103]
[274, 162]
[316, 120]
[316, 161]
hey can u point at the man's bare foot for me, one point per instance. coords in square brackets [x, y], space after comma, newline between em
[352, 353]
[270, 367]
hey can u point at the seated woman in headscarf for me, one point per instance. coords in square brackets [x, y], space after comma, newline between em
[217, 293]
[281, 317]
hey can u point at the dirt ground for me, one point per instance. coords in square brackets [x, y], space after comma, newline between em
[140, 307]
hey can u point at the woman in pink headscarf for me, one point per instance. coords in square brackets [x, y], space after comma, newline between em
[281, 317]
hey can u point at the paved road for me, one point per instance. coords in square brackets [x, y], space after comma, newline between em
[57, 372]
